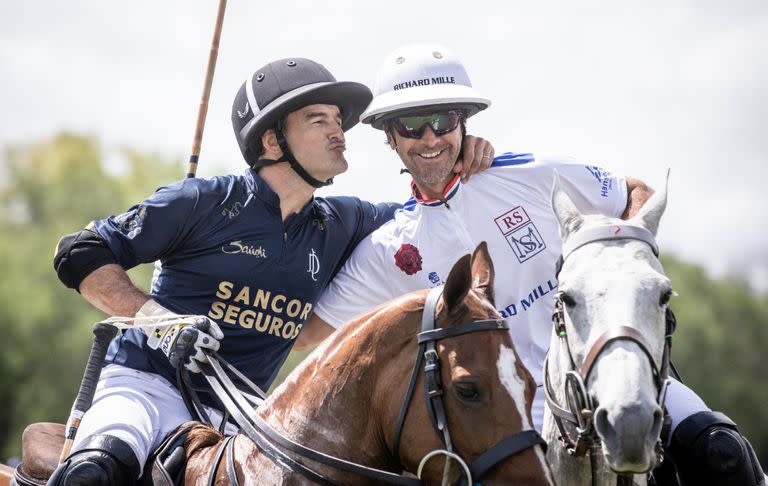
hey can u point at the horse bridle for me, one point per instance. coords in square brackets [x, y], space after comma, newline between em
[581, 410]
[273, 444]
[433, 393]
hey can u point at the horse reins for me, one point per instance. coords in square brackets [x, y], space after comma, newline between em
[579, 402]
[274, 444]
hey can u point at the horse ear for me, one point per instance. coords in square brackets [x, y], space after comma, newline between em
[568, 216]
[650, 214]
[482, 271]
[458, 283]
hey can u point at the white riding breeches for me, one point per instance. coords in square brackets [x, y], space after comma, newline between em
[137, 407]
[681, 403]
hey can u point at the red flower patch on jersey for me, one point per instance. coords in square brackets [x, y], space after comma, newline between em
[408, 259]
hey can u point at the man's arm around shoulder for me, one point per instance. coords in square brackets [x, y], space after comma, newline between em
[637, 193]
[313, 331]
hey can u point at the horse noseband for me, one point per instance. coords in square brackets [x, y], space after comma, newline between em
[433, 393]
[581, 409]
[580, 406]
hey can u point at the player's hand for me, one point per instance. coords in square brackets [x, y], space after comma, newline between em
[477, 155]
[184, 340]
[183, 343]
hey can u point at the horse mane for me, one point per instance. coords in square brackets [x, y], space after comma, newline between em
[200, 436]
[408, 303]
[369, 328]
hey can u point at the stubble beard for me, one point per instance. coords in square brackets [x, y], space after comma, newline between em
[431, 176]
[336, 165]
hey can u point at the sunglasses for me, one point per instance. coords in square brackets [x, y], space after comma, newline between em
[440, 122]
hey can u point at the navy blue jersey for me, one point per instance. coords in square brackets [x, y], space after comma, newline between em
[223, 251]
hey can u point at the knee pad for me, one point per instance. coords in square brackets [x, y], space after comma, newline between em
[102, 460]
[707, 448]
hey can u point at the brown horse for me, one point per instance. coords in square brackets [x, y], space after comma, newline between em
[345, 398]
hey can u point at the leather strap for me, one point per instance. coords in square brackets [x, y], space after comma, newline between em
[501, 450]
[609, 232]
[620, 333]
[231, 463]
[433, 387]
[443, 333]
[295, 165]
[259, 431]
[213, 373]
[404, 407]
[217, 459]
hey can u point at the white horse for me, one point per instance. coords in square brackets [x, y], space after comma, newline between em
[606, 372]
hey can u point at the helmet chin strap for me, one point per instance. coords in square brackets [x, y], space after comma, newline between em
[288, 157]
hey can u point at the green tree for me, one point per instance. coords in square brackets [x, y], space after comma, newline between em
[50, 189]
[719, 346]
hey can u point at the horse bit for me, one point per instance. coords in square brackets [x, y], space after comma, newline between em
[580, 406]
[273, 444]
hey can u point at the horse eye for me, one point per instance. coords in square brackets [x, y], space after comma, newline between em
[467, 391]
[567, 299]
[664, 299]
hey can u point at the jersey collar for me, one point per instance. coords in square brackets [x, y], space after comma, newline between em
[260, 188]
[450, 190]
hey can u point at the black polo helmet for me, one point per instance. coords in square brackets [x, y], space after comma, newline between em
[284, 86]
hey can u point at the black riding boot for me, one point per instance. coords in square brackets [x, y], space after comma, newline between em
[102, 460]
[707, 449]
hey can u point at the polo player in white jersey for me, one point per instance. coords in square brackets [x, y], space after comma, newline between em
[422, 100]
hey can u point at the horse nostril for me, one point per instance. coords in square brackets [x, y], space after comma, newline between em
[601, 418]
[658, 421]
[603, 425]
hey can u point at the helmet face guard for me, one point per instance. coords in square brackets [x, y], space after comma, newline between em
[418, 78]
[284, 86]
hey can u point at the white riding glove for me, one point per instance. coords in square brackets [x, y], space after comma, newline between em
[184, 339]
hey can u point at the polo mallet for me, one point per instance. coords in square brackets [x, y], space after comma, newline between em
[103, 333]
[203, 109]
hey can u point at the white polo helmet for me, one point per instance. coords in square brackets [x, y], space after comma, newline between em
[417, 77]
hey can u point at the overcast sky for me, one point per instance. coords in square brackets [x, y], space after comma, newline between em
[633, 86]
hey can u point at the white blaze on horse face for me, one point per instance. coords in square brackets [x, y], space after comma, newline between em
[515, 386]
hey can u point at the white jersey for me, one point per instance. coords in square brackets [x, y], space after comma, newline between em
[509, 207]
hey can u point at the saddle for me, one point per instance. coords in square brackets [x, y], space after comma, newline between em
[42, 443]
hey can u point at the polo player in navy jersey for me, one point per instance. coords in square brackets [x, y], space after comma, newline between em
[247, 256]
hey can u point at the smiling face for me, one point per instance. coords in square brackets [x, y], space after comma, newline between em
[316, 139]
[430, 159]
